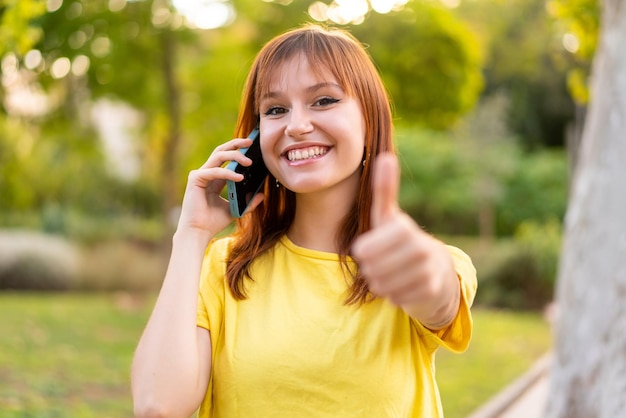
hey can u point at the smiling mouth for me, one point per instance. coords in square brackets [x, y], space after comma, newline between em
[306, 153]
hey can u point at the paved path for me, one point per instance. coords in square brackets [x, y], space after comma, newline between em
[532, 402]
[524, 398]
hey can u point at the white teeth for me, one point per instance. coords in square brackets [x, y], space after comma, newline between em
[304, 154]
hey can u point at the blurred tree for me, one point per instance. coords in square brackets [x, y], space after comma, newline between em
[524, 56]
[476, 179]
[17, 34]
[431, 62]
[125, 51]
[492, 156]
[536, 189]
[577, 23]
[436, 183]
[588, 375]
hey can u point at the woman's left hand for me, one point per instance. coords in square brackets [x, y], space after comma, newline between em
[400, 261]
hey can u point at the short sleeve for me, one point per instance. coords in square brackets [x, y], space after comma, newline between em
[211, 293]
[456, 337]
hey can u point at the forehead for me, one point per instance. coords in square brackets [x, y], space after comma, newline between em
[276, 72]
[300, 69]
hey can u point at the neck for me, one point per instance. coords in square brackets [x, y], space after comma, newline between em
[317, 221]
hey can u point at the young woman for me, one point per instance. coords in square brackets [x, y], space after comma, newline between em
[328, 300]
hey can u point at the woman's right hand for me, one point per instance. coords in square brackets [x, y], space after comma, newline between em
[203, 209]
[172, 363]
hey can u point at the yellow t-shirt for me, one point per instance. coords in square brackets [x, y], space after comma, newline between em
[294, 349]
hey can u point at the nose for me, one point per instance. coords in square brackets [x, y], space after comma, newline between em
[299, 123]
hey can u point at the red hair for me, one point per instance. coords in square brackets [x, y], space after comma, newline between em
[339, 53]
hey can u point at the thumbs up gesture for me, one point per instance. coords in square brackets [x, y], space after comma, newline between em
[400, 261]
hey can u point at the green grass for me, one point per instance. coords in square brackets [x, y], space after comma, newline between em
[68, 355]
[504, 346]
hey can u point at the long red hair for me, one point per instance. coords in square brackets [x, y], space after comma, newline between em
[344, 56]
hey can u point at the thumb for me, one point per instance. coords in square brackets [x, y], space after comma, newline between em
[385, 185]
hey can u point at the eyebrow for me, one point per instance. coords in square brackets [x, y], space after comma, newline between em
[310, 89]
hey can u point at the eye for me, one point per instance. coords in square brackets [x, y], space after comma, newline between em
[274, 111]
[325, 101]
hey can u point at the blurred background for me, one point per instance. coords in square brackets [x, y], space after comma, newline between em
[105, 105]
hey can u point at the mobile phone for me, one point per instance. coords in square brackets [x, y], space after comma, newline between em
[240, 193]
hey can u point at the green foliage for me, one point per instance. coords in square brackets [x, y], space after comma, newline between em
[521, 273]
[448, 178]
[491, 155]
[59, 169]
[543, 240]
[464, 183]
[47, 168]
[524, 56]
[579, 21]
[433, 70]
[16, 142]
[435, 183]
[17, 34]
[476, 179]
[124, 49]
[537, 190]
[212, 89]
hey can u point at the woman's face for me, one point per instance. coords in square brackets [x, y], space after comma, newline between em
[312, 131]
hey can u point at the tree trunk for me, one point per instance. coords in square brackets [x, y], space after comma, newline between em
[588, 377]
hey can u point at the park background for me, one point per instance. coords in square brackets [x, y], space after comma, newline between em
[106, 105]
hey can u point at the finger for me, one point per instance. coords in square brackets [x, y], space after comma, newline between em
[371, 245]
[213, 178]
[234, 144]
[385, 185]
[400, 287]
[229, 151]
[396, 263]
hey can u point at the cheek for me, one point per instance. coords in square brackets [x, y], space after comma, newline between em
[270, 156]
[360, 141]
[359, 120]
[267, 136]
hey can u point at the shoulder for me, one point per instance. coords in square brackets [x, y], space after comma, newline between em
[215, 259]
[212, 289]
[220, 247]
[218, 250]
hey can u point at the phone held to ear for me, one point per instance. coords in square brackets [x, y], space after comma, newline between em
[240, 193]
